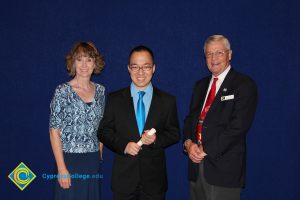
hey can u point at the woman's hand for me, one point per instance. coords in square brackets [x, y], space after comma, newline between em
[64, 179]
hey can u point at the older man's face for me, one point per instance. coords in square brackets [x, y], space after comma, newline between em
[217, 57]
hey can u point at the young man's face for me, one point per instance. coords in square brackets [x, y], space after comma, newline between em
[141, 69]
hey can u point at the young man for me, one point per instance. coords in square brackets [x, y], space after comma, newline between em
[139, 172]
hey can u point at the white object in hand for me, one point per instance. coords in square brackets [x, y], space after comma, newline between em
[151, 132]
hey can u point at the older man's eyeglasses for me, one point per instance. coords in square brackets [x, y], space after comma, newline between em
[216, 54]
[145, 68]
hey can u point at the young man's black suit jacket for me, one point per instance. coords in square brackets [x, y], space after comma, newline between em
[224, 129]
[118, 127]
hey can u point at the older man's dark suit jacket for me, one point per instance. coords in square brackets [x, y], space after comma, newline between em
[224, 129]
[118, 127]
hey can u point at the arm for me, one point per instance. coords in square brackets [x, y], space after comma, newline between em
[194, 111]
[101, 150]
[107, 133]
[193, 150]
[55, 124]
[64, 182]
[100, 143]
[171, 133]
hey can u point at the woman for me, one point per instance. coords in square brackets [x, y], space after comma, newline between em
[76, 110]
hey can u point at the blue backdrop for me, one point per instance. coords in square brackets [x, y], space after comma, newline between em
[36, 35]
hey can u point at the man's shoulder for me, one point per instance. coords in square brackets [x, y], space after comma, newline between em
[62, 89]
[162, 93]
[241, 78]
[118, 93]
[202, 81]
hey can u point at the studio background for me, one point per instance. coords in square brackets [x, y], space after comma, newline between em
[36, 35]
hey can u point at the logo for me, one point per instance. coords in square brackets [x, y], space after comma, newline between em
[21, 176]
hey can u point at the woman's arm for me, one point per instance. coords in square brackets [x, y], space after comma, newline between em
[64, 179]
[101, 150]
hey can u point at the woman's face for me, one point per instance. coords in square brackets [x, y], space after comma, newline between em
[84, 66]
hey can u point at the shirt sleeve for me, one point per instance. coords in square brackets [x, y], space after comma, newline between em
[56, 110]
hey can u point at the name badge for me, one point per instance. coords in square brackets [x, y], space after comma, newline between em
[226, 98]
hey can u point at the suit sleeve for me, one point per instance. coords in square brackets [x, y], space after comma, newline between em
[171, 133]
[240, 121]
[189, 120]
[107, 133]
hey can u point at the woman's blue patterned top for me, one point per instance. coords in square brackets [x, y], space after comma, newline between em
[77, 121]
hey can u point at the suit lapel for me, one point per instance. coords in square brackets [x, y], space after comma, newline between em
[153, 110]
[223, 89]
[202, 95]
[129, 108]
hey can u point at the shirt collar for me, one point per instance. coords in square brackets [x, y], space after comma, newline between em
[134, 90]
[222, 76]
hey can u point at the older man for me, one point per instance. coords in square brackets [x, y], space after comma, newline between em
[221, 112]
